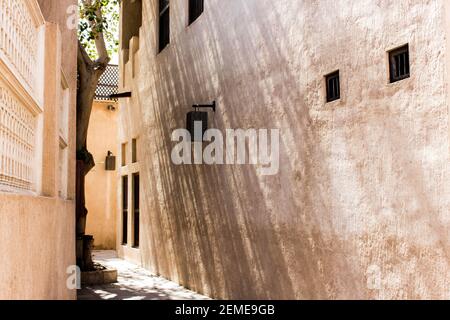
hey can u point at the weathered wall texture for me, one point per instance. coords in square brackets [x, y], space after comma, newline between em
[37, 229]
[101, 185]
[360, 207]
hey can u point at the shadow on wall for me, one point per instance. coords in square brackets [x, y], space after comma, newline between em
[229, 233]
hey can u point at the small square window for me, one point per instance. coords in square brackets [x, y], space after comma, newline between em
[399, 64]
[333, 86]
[195, 10]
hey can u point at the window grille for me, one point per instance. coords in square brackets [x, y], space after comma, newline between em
[333, 87]
[19, 40]
[399, 64]
[108, 83]
[18, 127]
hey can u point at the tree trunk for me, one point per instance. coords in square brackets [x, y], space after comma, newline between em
[89, 73]
[85, 163]
[84, 242]
[88, 76]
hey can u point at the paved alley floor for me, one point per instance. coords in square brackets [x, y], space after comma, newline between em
[134, 283]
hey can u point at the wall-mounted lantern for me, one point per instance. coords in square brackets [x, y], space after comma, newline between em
[110, 162]
[198, 116]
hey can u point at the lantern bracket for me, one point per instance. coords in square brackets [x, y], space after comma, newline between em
[212, 106]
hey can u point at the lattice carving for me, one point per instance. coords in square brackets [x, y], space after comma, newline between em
[108, 83]
[18, 39]
[17, 142]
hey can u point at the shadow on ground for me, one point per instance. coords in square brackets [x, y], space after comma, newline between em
[134, 283]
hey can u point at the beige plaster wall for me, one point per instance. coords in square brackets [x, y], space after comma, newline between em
[37, 230]
[128, 168]
[101, 185]
[62, 12]
[58, 13]
[37, 247]
[360, 207]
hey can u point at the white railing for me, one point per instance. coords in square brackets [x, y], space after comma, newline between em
[21, 92]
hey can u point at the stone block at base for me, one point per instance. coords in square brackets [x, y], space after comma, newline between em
[100, 277]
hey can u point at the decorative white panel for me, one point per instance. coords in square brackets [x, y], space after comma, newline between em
[21, 91]
[19, 39]
[17, 142]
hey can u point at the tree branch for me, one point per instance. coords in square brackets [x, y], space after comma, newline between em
[89, 74]
[83, 60]
[100, 43]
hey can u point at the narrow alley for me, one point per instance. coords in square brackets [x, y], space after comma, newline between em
[134, 283]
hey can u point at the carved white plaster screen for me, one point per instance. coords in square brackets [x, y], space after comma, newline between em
[19, 39]
[21, 69]
[17, 142]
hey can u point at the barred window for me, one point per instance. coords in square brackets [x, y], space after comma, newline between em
[164, 24]
[195, 9]
[333, 86]
[399, 64]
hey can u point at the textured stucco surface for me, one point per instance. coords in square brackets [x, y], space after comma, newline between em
[101, 185]
[60, 13]
[360, 207]
[37, 247]
[37, 231]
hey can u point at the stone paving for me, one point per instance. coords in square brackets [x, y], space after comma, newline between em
[134, 283]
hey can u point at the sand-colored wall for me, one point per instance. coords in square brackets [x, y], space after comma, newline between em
[37, 246]
[37, 229]
[360, 207]
[101, 185]
[128, 168]
[61, 13]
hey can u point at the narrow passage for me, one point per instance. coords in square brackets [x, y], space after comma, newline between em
[134, 283]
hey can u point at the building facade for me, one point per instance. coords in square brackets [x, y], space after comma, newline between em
[360, 94]
[101, 182]
[37, 157]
